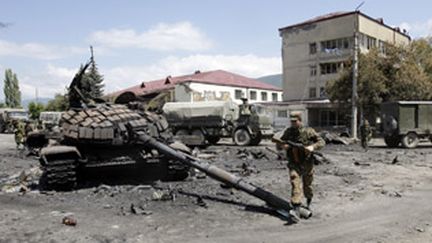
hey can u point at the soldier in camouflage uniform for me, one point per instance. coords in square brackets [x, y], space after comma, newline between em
[19, 132]
[365, 134]
[300, 161]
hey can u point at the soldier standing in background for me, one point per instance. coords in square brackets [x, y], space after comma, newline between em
[300, 161]
[19, 132]
[365, 134]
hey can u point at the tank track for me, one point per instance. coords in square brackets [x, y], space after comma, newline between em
[59, 175]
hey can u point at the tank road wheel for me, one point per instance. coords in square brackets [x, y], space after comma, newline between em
[410, 140]
[59, 175]
[392, 141]
[242, 137]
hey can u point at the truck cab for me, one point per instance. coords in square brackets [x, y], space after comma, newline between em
[8, 115]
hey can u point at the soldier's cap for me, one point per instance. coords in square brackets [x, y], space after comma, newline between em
[295, 116]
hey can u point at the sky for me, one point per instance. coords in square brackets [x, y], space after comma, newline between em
[44, 42]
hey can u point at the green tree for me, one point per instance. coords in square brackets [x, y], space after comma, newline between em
[35, 109]
[94, 80]
[402, 73]
[59, 103]
[2, 105]
[11, 90]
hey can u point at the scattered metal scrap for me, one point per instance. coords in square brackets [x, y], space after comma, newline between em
[22, 181]
[251, 154]
[69, 221]
[334, 138]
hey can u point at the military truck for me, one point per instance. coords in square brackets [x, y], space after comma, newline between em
[406, 122]
[202, 123]
[8, 115]
[50, 119]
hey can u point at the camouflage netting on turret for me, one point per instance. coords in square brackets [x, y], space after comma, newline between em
[105, 123]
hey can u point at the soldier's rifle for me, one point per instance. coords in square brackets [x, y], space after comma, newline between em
[296, 145]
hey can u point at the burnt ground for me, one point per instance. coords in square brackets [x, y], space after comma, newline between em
[382, 195]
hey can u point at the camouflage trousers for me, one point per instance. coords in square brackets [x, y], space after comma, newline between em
[301, 177]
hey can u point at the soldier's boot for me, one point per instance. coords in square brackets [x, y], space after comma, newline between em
[308, 203]
[295, 213]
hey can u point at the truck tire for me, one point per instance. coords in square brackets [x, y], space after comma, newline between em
[242, 137]
[410, 140]
[213, 139]
[392, 141]
[256, 140]
[200, 135]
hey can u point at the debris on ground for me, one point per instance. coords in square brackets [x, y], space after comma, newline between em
[334, 138]
[139, 210]
[22, 181]
[245, 169]
[395, 160]
[69, 221]
[251, 154]
[280, 153]
[361, 164]
[200, 202]
[164, 195]
[391, 193]
[419, 229]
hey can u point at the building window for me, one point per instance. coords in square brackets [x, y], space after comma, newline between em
[274, 97]
[368, 42]
[335, 44]
[330, 67]
[322, 92]
[312, 92]
[238, 94]
[264, 96]
[283, 114]
[313, 70]
[312, 48]
[371, 42]
[253, 95]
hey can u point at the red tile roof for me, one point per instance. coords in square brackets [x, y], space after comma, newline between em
[218, 77]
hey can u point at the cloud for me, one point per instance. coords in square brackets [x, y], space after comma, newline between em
[418, 29]
[248, 65]
[162, 37]
[51, 80]
[38, 51]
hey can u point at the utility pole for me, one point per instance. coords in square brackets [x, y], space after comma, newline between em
[355, 78]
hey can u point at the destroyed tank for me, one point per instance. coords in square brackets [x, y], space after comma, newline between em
[103, 140]
[100, 139]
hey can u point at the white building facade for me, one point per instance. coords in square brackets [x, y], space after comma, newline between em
[193, 91]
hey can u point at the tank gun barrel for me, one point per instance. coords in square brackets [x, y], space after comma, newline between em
[272, 200]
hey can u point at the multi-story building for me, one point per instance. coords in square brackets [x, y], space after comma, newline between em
[314, 51]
